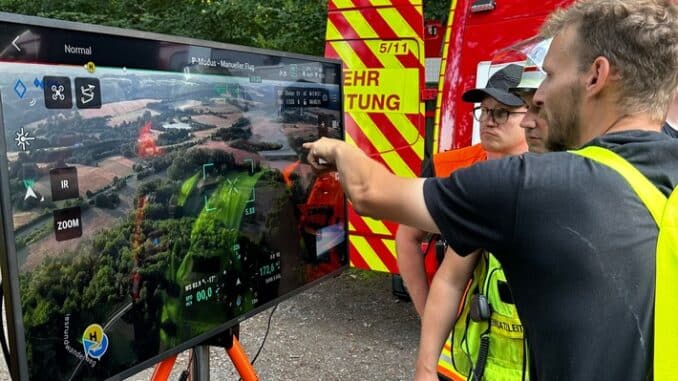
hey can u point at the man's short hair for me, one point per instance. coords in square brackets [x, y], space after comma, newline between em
[640, 40]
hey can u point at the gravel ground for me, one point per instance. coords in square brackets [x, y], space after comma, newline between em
[347, 328]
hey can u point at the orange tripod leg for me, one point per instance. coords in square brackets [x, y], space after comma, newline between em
[162, 370]
[241, 362]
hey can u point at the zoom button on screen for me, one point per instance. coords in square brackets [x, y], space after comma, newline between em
[67, 223]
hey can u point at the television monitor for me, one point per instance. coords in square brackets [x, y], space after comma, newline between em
[154, 191]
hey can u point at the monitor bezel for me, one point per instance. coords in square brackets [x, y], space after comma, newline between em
[8, 259]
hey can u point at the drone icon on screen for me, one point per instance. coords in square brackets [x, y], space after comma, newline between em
[58, 92]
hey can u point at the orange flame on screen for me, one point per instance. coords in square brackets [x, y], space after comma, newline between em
[146, 145]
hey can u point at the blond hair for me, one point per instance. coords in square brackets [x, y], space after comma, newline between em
[640, 40]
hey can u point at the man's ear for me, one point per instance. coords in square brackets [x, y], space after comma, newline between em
[598, 76]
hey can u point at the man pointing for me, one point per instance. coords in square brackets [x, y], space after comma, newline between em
[576, 243]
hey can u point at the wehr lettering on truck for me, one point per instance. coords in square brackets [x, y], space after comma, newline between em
[380, 90]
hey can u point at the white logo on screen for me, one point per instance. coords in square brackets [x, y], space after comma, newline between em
[87, 93]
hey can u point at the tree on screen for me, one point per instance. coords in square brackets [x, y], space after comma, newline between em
[287, 25]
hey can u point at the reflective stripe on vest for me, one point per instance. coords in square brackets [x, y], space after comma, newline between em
[665, 214]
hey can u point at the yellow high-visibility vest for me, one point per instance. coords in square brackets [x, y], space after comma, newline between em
[664, 211]
[505, 356]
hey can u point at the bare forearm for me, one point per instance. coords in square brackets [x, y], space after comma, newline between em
[372, 189]
[442, 304]
[437, 323]
[414, 276]
[358, 174]
[411, 265]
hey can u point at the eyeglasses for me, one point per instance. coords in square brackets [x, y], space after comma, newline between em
[499, 115]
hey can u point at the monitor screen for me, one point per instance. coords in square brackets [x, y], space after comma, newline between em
[155, 191]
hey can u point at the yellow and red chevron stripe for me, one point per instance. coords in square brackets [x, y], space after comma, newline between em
[381, 44]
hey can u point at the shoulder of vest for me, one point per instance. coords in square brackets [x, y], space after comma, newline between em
[465, 153]
[448, 161]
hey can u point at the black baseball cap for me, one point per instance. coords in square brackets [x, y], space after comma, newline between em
[498, 87]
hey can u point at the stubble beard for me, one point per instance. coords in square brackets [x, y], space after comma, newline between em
[564, 122]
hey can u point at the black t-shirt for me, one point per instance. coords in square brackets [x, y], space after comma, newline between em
[577, 246]
[669, 130]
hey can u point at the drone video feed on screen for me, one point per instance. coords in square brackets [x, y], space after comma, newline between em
[152, 206]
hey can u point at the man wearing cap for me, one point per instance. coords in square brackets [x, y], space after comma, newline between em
[499, 114]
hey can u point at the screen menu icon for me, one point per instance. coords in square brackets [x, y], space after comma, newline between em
[23, 139]
[64, 183]
[87, 93]
[67, 223]
[19, 88]
[57, 92]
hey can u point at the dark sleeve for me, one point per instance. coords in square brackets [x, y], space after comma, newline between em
[427, 169]
[475, 207]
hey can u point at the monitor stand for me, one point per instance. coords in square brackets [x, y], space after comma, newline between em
[200, 359]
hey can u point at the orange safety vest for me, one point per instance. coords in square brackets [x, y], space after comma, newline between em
[447, 162]
[444, 163]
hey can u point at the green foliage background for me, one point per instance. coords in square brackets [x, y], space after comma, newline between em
[288, 25]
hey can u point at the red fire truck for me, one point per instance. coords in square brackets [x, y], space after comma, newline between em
[403, 81]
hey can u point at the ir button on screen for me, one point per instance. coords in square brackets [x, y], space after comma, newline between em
[64, 183]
